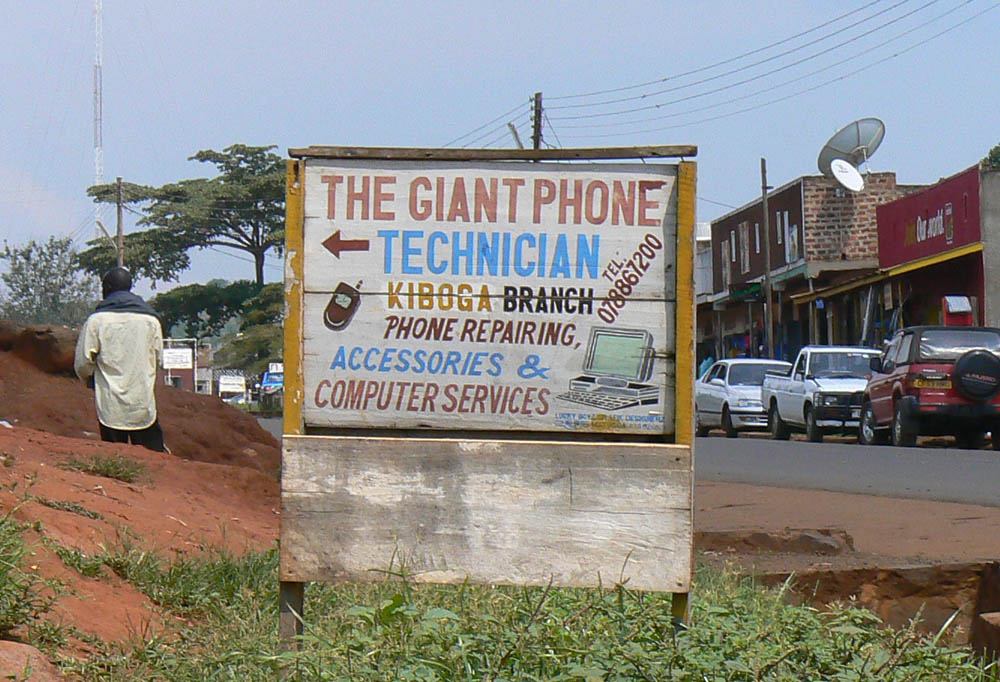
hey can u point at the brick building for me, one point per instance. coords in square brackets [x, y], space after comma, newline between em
[821, 236]
[940, 241]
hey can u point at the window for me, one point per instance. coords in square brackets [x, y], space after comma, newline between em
[744, 248]
[903, 354]
[890, 353]
[751, 375]
[732, 245]
[947, 345]
[710, 374]
[800, 366]
[779, 227]
[840, 364]
[726, 264]
[756, 237]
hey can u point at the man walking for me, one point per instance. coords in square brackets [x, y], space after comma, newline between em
[119, 346]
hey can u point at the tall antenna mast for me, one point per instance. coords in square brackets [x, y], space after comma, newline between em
[98, 107]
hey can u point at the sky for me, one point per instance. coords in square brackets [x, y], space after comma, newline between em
[741, 80]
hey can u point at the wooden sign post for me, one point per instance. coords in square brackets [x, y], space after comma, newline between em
[488, 368]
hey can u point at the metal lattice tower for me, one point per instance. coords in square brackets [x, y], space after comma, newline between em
[98, 106]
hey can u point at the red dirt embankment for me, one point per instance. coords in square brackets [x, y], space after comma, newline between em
[38, 390]
[217, 489]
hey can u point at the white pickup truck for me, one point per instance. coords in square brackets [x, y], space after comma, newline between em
[820, 394]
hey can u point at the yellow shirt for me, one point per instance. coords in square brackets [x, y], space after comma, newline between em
[121, 350]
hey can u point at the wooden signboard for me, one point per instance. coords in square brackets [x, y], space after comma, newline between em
[488, 367]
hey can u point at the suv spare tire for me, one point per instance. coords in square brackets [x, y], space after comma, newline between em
[977, 375]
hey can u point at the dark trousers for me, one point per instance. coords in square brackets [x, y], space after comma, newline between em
[150, 437]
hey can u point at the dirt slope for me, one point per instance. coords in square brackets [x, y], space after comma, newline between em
[196, 427]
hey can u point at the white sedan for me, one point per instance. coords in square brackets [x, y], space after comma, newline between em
[728, 396]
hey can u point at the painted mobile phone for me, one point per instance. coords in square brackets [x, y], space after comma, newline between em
[342, 306]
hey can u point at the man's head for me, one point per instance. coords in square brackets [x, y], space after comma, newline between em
[116, 279]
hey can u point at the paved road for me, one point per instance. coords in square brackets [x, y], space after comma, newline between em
[929, 473]
[271, 424]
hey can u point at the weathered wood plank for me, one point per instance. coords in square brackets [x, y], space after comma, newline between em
[423, 154]
[494, 512]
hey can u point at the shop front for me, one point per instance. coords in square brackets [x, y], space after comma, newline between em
[930, 247]
[932, 263]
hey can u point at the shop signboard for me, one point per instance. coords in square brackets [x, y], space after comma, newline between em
[537, 297]
[748, 291]
[487, 362]
[177, 358]
[932, 221]
[232, 384]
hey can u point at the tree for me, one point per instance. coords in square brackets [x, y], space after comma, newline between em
[44, 284]
[158, 254]
[242, 208]
[204, 309]
[260, 339]
[992, 160]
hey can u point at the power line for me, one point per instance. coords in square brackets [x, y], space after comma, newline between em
[245, 260]
[545, 115]
[758, 92]
[745, 81]
[806, 90]
[503, 126]
[717, 203]
[490, 122]
[716, 64]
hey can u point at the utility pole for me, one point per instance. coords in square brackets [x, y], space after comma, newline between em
[517, 138]
[768, 315]
[536, 129]
[121, 233]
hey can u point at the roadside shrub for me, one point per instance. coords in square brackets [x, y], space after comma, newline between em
[21, 596]
[118, 467]
[395, 630]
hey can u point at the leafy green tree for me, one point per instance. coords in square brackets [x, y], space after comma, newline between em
[992, 159]
[205, 309]
[158, 254]
[260, 339]
[43, 284]
[242, 208]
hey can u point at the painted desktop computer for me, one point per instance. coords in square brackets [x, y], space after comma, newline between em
[616, 368]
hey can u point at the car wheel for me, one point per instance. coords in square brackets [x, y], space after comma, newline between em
[727, 423]
[814, 432]
[904, 431]
[969, 440]
[868, 431]
[779, 430]
[699, 428]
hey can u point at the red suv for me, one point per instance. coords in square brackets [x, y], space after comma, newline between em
[934, 381]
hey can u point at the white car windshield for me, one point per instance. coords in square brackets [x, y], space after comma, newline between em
[751, 374]
[840, 365]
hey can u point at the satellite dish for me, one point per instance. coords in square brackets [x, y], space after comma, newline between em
[847, 175]
[853, 144]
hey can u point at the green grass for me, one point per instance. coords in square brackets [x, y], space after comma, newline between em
[118, 467]
[66, 505]
[395, 630]
[24, 597]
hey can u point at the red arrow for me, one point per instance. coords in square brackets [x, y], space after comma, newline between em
[334, 244]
